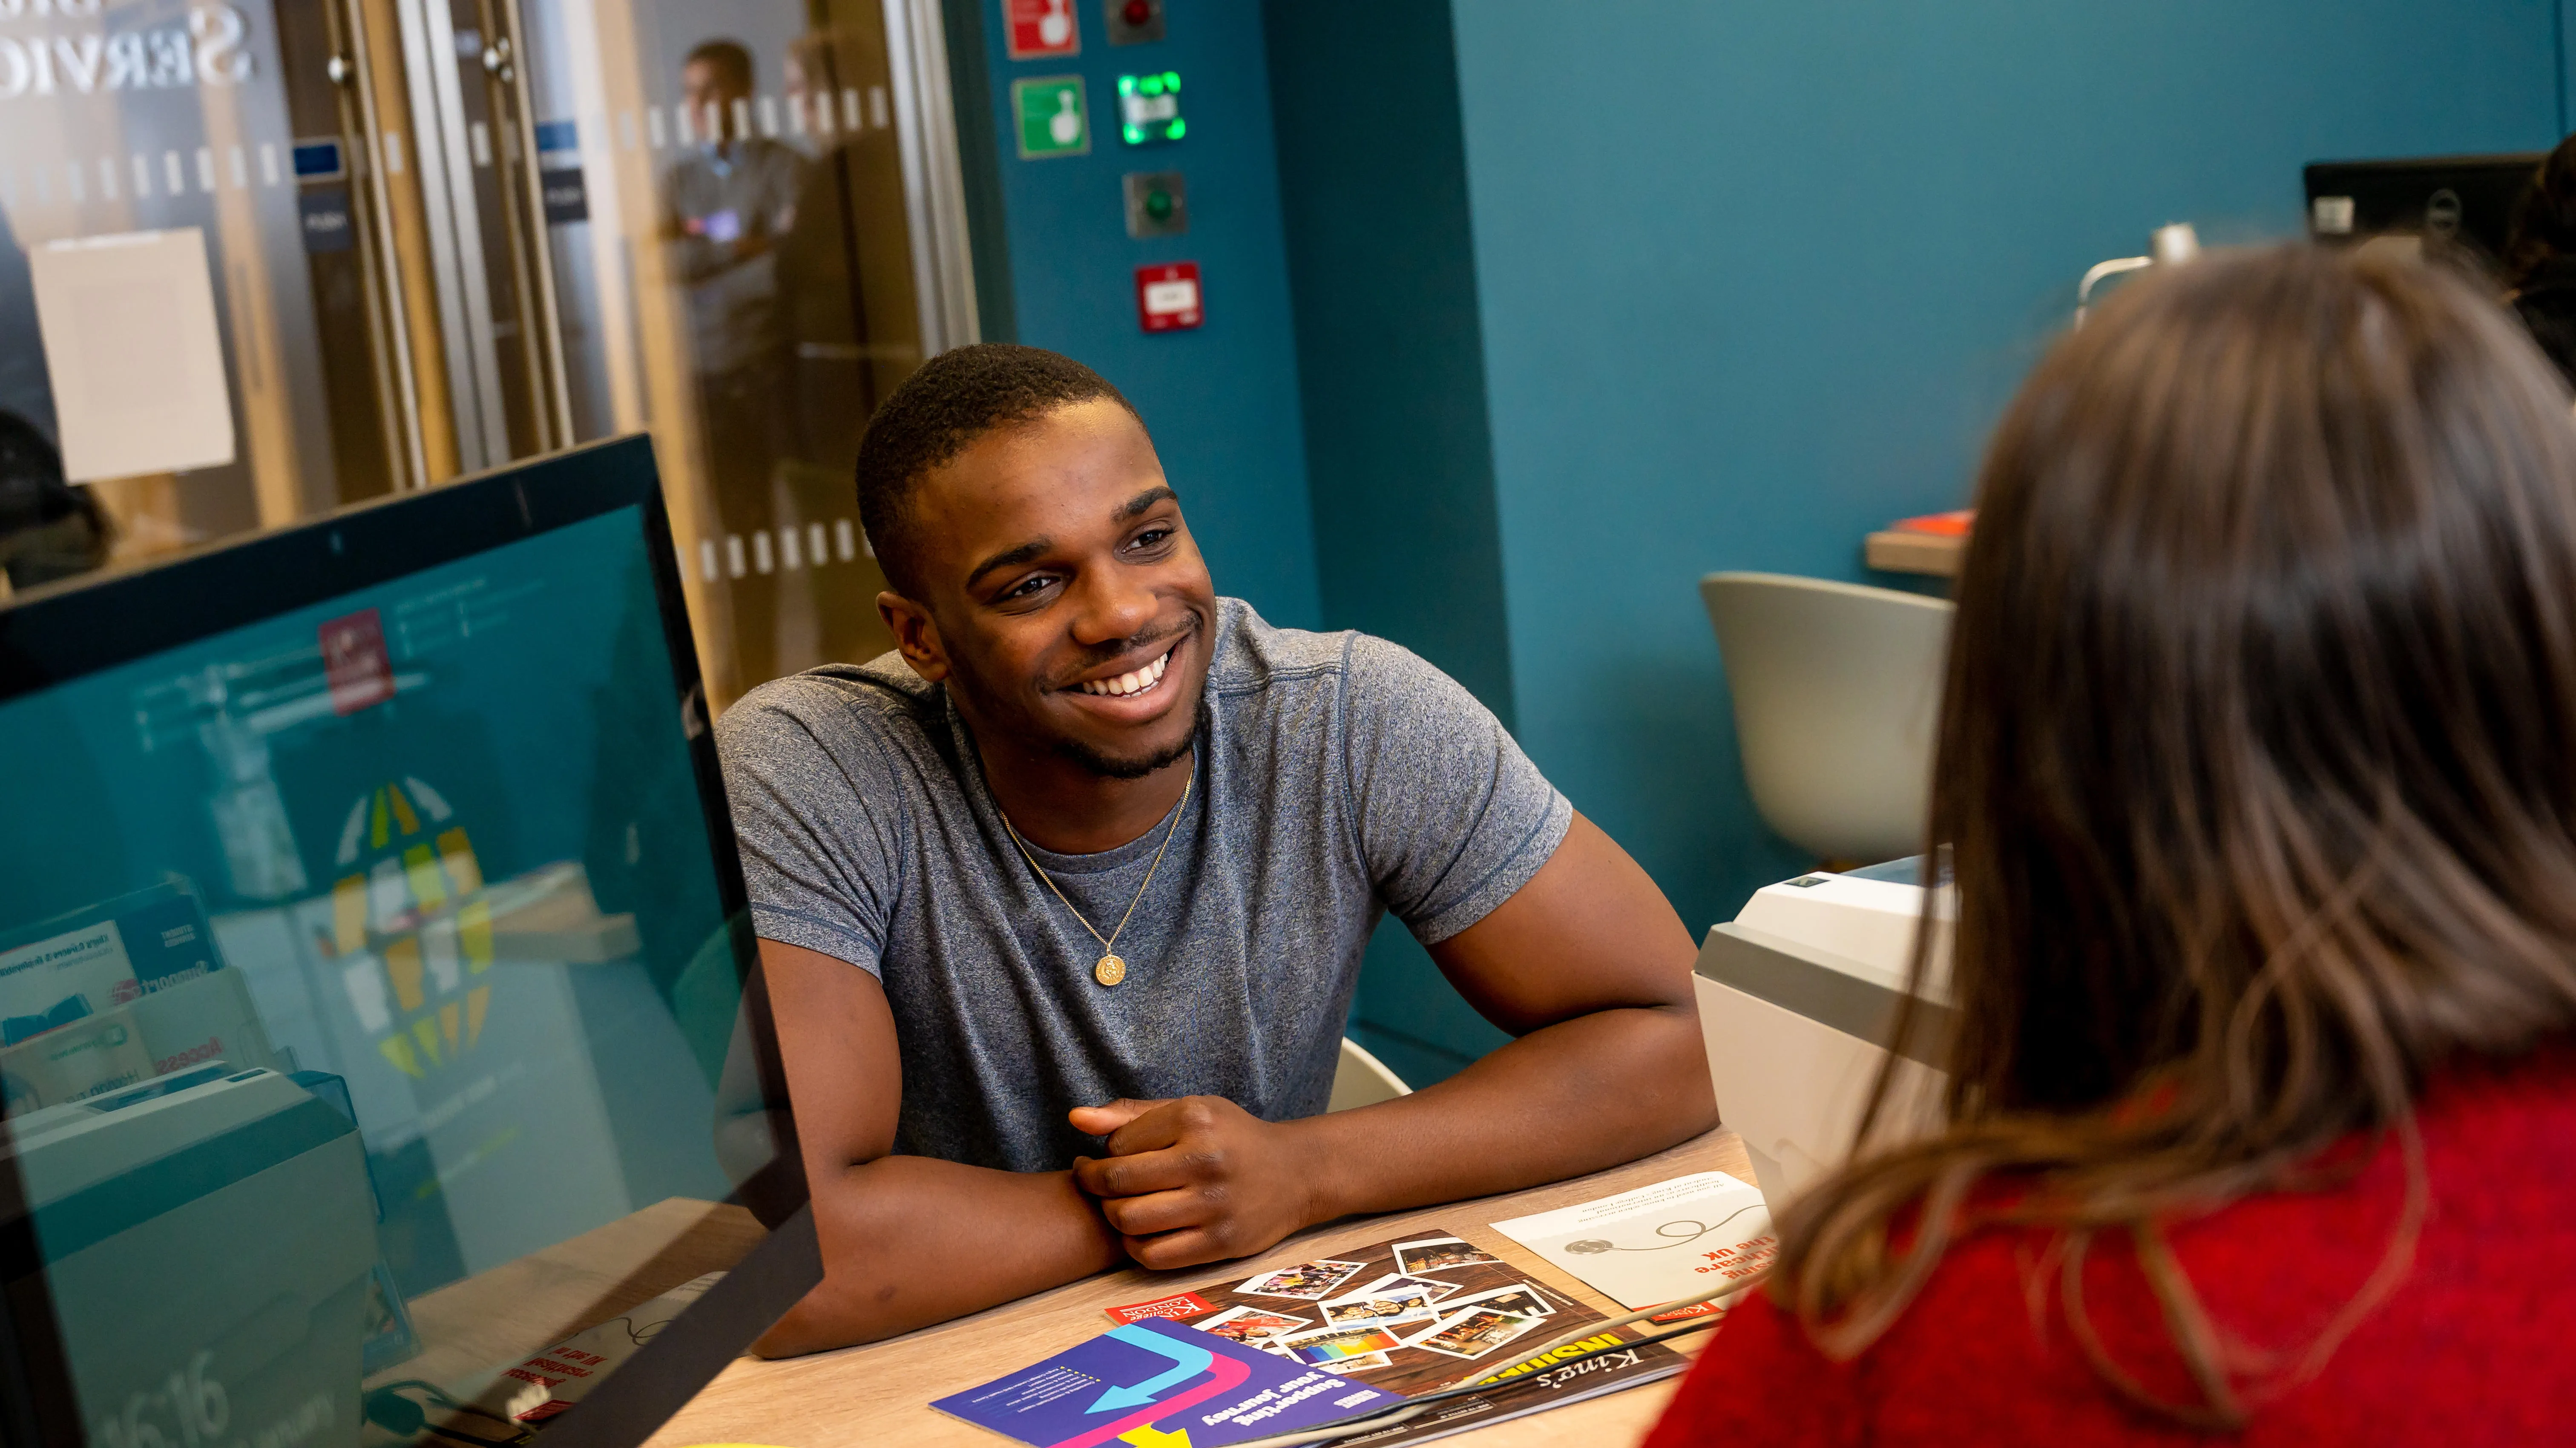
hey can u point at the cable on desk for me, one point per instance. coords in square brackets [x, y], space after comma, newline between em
[387, 1408]
[1411, 1408]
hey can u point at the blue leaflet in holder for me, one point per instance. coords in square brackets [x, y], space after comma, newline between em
[130, 988]
[77, 964]
[70, 1008]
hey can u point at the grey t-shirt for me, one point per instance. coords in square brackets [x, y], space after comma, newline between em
[1339, 776]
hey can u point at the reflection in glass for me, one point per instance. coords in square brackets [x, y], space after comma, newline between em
[443, 234]
[50, 529]
[745, 169]
[365, 988]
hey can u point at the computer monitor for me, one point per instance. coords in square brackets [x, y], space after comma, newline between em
[379, 1039]
[2462, 205]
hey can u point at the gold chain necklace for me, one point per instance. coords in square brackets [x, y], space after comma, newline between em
[1111, 969]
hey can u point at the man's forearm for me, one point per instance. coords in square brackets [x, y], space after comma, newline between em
[908, 1241]
[1574, 1097]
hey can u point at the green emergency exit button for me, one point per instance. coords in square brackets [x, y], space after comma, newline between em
[1052, 119]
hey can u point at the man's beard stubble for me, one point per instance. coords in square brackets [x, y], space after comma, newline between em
[1112, 767]
[995, 705]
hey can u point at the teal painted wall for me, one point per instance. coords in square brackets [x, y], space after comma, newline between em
[2566, 68]
[1756, 279]
[1372, 175]
[1221, 401]
[1752, 281]
[2566, 39]
[1390, 355]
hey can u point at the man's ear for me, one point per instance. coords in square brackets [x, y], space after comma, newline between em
[916, 635]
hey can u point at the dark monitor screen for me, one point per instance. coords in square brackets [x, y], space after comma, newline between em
[372, 983]
[2463, 204]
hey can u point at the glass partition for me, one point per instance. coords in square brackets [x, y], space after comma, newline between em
[439, 235]
[750, 246]
[214, 124]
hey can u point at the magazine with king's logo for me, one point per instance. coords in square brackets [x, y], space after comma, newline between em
[1413, 1316]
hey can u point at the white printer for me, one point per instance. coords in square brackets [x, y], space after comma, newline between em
[1797, 998]
[206, 1241]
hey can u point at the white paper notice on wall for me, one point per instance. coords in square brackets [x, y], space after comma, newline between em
[134, 354]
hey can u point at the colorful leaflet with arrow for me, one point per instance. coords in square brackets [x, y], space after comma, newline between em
[1159, 1383]
[1188, 1361]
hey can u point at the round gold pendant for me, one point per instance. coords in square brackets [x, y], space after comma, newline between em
[1110, 970]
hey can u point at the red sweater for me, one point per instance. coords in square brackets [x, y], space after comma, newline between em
[2477, 1346]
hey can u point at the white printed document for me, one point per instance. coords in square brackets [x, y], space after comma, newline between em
[1690, 1237]
[135, 353]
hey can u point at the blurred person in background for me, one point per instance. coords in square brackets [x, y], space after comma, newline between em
[728, 202]
[2540, 258]
[730, 199]
[49, 529]
[2256, 783]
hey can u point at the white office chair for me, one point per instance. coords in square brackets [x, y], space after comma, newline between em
[1837, 688]
[1361, 1079]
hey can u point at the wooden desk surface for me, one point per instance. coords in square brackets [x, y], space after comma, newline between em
[881, 1393]
[1896, 551]
[471, 1329]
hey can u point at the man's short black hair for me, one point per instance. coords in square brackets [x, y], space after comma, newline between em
[954, 399]
[729, 56]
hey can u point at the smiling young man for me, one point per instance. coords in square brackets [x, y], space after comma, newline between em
[1061, 906]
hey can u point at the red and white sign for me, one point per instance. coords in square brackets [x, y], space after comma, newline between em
[354, 662]
[1042, 28]
[1182, 1304]
[1167, 296]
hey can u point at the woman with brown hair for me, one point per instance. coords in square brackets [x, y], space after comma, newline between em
[2257, 781]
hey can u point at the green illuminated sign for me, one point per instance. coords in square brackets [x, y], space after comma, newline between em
[1052, 119]
[1149, 108]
